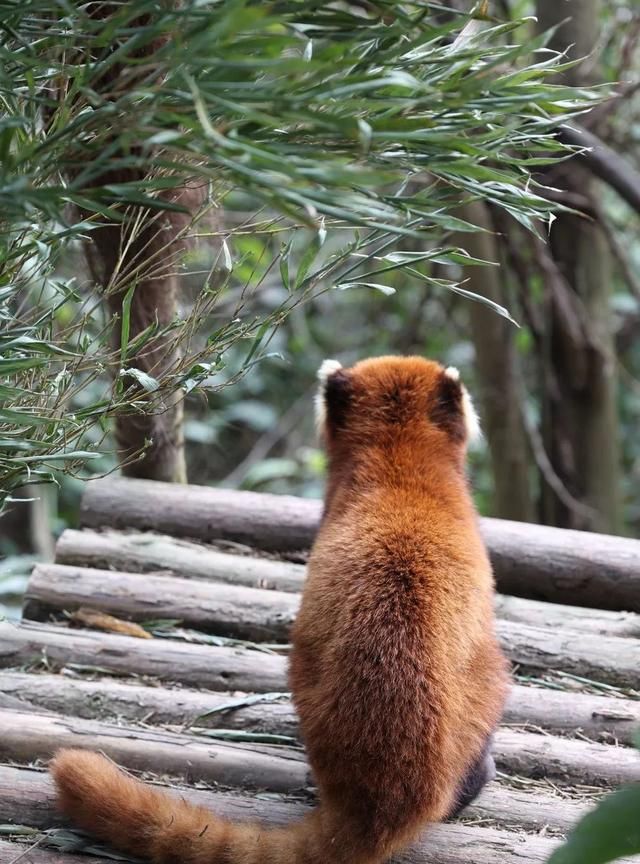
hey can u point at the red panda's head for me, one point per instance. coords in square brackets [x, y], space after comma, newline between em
[394, 398]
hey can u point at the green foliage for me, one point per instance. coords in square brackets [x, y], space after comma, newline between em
[610, 832]
[326, 134]
[315, 110]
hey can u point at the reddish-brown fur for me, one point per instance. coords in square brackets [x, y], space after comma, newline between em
[395, 671]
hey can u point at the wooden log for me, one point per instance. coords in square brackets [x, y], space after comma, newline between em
[215, 668]
[608, 659]
[572, 567]
[12, 853]
[252, 613]
[506, 806]
[148, 553]
[600, 718]
[228, 610]
[27, 796]
[27, 736]
[18, 703]
[280, 523]
[105, 699]
[453, 843]
[450, 844]
[563, 566]
[218, 668]
[237, 610]
[598, 622]
[564, 760]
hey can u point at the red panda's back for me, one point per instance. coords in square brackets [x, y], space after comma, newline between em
[397, 630]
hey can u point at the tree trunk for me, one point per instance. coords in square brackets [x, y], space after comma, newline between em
[150, 445]
[580, 416]
[24, 524]
[143, 251]
[499, 396]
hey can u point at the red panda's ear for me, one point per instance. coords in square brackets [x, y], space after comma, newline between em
[453, 410]
[333, 396]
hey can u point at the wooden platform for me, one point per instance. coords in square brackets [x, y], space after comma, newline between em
[193, 693]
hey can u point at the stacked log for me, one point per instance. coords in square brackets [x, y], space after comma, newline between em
[203, 699]
[534, 561]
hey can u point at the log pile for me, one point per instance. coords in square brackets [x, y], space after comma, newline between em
[211, 579]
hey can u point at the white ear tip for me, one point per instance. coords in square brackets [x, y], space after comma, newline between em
[324, 373]
[471, 419]
[452, 372]
[327, 369]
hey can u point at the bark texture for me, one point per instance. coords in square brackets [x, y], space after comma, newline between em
[600, 718]
[218, 668]
[535, 561]
[142, 252]
[27, 738]
[580, 423]
[495, 366]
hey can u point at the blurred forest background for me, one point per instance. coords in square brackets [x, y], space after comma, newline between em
[559, 396]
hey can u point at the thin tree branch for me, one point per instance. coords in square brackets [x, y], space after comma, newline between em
[547, 470]
[620, 256]
[605, 163]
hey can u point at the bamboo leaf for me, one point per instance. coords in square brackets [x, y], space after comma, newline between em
[146, 381]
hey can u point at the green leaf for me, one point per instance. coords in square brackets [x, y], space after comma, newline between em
[610, 831]
[324, 133]
[244, 702]
[308, 258]
[73, 455]
[387, 290]
[146, 381]
[249, 737]
[125, 323]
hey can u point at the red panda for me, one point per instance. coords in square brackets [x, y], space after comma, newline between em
[396, 674]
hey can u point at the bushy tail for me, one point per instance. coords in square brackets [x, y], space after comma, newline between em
[147, 823]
